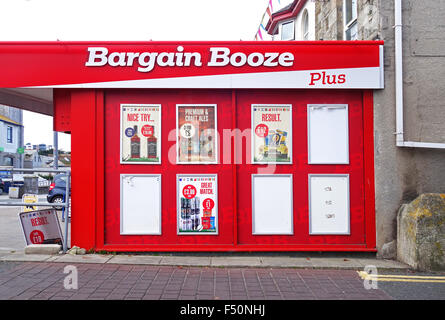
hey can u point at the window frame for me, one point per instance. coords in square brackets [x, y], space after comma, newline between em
[293, 30]
[349, 25]
[9, 134]
[305, 25]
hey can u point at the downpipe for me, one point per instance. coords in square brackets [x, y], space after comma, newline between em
[400, 139]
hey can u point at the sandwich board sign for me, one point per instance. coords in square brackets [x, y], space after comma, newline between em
[41, 227]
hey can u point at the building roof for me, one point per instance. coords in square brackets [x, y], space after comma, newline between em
[6, 119]
[285, 13]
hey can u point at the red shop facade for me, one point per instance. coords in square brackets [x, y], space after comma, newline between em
[213, 146]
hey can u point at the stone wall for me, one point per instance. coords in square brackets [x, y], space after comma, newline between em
[421, 233]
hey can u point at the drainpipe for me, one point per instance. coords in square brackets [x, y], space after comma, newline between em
[400, 140]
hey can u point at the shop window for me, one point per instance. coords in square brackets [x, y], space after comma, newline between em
[197, 133]
[140, 204]
[305, 25]
[271, 133]
[329, 204]
[328, 134]
[9, 131]
[288, 31]
[272, 206]
[350, 19]
[197, 204]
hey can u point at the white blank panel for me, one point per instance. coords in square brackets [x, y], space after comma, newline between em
[140, 204]
[329, 204]
[272, 204]
[328, 139]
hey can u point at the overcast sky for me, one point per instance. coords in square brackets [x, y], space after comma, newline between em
[124, 20]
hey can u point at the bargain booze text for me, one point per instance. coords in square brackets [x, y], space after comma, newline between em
[219, 57]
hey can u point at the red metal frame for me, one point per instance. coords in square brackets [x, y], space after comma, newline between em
[88, 109]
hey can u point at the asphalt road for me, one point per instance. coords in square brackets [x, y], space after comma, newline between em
[410, 287]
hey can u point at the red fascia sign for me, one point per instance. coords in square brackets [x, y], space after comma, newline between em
[284, 64]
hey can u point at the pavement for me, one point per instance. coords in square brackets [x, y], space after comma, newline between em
[203, 276]
[252, 260]
[45, 281]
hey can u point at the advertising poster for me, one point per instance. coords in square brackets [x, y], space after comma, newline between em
[196, 128]
[272, 134]
[140, 134]
[41, 227]
[197, 204]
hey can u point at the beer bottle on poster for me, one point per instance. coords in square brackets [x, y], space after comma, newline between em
[210, 147]
[197, 212]
[152, 144]
[135, 143]
[189, 149]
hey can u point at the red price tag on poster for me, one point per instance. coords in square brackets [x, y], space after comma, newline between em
[36, 236]
[262, 130]
[189, 191]
[208, 204]
[147, 131]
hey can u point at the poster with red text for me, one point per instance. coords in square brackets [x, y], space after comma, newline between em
[140, 134]
[196, 134]
[272, 133]
[197, 204]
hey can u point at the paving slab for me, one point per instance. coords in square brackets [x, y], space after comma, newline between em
[285, 262]
[87, 258]
[235, 262]
[335, 263]
[382, 263]
[25, 257]
[186, 261]
[135, 259]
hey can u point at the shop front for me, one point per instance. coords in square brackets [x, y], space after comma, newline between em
[227, 146]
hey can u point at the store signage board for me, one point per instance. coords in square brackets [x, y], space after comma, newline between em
[41, 227]
[140, 132]
[197, 204]
[272, 204]
[196, 128]
[243, 64]
[271, 133]
[329, 204]
[140, 204]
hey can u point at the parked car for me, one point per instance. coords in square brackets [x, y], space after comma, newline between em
[57, 190]
[2, 186]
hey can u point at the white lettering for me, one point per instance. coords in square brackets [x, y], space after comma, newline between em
[179, 56]
[238, 59]
[286, 59]
[259, 59]
[219, 57]
[170, 59]
[188, 57]
[218, 54]
[271, 56]
[112, 61]
[150, 64]
[131, 56]
[94, 55]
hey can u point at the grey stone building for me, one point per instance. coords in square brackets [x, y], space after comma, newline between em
[11, 136]
[409, 117]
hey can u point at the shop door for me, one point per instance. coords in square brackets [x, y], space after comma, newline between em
[301, 199]
[179, 185]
